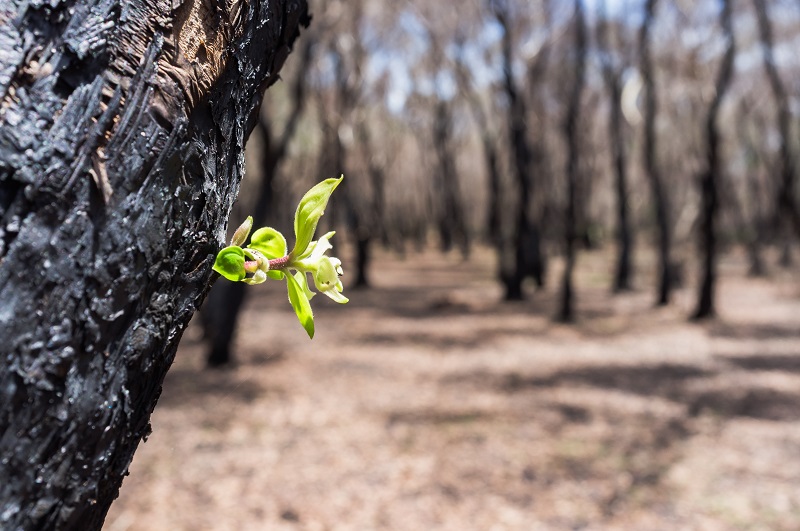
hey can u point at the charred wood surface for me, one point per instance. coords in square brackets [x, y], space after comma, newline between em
[122, 132]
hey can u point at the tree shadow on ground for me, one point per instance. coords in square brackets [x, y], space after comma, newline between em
[686, 384]
[754, 402]
[187, 385]
[617, 453]
[766, 362]
[421, 302]
[752, 330]
[638, 445]
[664, 380]
[442, 341]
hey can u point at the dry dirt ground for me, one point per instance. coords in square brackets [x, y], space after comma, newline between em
[426, 403]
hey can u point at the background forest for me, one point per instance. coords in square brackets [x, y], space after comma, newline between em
[542, 129]
[616, 168]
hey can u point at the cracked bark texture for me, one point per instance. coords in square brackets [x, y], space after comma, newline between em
[122, 133]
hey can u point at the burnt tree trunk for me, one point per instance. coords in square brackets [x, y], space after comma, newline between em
[526, 239]
[624, 269]
[451, 222]
[566, 311]
[612, 74]
[122, 130]
[753, 229]
[377, 226]
[788, 213]
[709, 181]
[651, 159]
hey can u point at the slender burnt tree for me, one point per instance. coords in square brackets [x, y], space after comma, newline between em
[788, 213]
[122, 130]
[528, 258]
[451, 220]
[711, 177]
[566, 312]
[652, 168]
[612, 75]
[754, 229]
[376, 170]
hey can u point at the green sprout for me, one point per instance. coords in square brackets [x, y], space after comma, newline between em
[267, 257]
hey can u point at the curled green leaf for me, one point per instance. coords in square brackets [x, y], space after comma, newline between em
[310, 209]
[230, 263]
[301, 305]
[275, 274]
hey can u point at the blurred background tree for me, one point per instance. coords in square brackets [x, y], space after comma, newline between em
[539, 128]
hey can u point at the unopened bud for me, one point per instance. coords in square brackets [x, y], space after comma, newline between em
[241, 234]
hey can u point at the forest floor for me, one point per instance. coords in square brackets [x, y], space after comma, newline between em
[428, 403]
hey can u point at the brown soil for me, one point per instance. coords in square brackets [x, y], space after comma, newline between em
[426, 403]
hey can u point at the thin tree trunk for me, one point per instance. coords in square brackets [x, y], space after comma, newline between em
[709, 182]
[613, 79]
[788, 212]
[567, 309]
[451, 222]
[753, 229]
[526, 240]
[651, 159]
[121, 141]
[755, 240]
[376, 227]
[624, 269]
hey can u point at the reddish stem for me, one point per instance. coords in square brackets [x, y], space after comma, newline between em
[278, 263]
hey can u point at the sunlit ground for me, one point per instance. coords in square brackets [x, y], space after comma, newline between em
[426, 403]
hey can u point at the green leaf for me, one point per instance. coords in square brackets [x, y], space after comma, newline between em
[310, 209]
[275, 274]
[270, 242]
[302, 307]
[230, 263]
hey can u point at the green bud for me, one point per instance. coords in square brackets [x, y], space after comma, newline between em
[241, 234]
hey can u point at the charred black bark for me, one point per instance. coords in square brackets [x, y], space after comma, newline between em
[709, 181]
[612, 74]
[121, 142]
[451, 223]
[651, 159]
[753, 230]
[624, 269]
[788, 212]
[566, 311]
[528, 258]
[377, 226]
